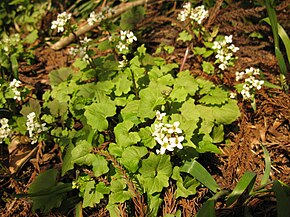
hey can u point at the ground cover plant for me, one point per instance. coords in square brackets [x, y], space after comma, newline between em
[144, 108]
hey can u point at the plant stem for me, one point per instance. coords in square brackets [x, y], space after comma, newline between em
[134, 85]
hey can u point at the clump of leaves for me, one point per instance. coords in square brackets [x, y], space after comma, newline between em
[116, 108]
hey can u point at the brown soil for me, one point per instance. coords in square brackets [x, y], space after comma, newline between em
[268, 125]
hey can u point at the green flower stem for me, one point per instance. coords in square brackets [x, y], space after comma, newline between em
[135, 86]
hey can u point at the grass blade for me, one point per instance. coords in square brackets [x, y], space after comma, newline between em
[266, 175]
[282, 193]
[273, 21]
[283, 35]
[207, 209]
[201, 174]
[246, 182]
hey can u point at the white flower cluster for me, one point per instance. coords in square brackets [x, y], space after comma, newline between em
[123, 62]
[224, 51]
[61, 21]
[81, 51]
[96, 18]
[197, 14]
[251, 83]
[34, 128]
[14, 85]
[126, 38]
[9, 42]
[4, 129]
[167, 135]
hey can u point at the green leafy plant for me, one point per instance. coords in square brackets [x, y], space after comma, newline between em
[117, 112]
[278, 31]
[244, 191]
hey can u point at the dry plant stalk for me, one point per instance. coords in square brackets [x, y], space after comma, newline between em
[84, 29]
[170, 202]
[138, 199]
[214, 13]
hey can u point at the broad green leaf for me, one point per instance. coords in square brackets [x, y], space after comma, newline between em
[205, 145]
[132, 17]
[118, 194]
[44, 188]
[154, 202]
[123, 85]
[57, 108]
[207, 67]
[81, 154]
[184, 36]
[97, 113]
[216, 96]
[199, 50]
[31, 37]
[125, 138]
[189, 117]
[282, 193]
[218, 133]
[155, 172]
[104, 45]
[67, 163]
[59, 75]
[246, 182]
[151, 97]
[130, 111]
[205, 86]
[32, 106]
[131, 157]
[100, 166]
[179, 94]
[115, 149]
[227, 113]
[201, 174]
[93, 194]
[186, 81]
[183, 191]
[267, 171]
[146, 137]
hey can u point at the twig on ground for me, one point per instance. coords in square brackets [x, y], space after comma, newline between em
[82, 30]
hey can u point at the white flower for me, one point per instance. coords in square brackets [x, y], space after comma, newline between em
[121, 46]
[167, 135]
[174, 128]
[159, 116]
[233, 95]
[224, 51]
[131, 37]
[251, 82]
[85, 41]
[198, 14]
[4, 129]
[61, 21]
[100, 16]
[34, 128]
[228, 39]
[14, 85]
[123, 35]
[185, 12]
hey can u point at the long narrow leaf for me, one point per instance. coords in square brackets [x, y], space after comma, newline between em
[266, 175]
[207, 209]
[273, 21]
[246, 182]
[283, 35]
[282, 194]
[201, 174]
